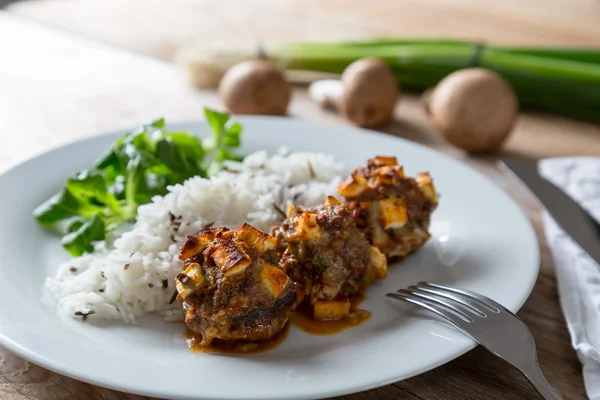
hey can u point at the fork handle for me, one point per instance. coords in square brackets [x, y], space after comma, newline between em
[536, 378]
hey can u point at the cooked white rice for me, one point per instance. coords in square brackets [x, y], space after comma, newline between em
[127, 279]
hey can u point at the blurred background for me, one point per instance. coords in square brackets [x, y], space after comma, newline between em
[158, 27]
[565, 84]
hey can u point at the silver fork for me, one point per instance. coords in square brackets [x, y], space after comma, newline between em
[488, 323]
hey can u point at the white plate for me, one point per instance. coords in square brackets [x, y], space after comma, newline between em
[481, 241]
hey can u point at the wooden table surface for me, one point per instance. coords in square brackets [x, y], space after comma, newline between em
[56, 86]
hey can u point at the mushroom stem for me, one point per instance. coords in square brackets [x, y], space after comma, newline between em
[327, 92]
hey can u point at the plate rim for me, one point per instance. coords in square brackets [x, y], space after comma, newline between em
[62, 369]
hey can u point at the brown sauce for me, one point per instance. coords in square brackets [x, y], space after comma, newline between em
[218, 347]
[303, 320]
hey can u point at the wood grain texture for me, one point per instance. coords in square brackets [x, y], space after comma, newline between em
[533, 22]
[57, 87]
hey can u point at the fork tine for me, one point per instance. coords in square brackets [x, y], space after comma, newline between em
[484, 301]
[517, 347]
[435, 299]
[452, 318]
[469, 304]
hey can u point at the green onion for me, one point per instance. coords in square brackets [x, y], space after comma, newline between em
[560, 81]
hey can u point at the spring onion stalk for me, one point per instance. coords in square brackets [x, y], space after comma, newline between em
[560, 81]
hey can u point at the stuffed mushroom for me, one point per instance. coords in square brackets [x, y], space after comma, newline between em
[232, 287]
[391, 209]
[328, 257]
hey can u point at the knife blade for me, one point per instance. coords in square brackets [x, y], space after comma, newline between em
[569, 215]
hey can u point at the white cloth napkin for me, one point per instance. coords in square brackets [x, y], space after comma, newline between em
[577, 274]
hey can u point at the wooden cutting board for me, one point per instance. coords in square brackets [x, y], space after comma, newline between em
[158, 29]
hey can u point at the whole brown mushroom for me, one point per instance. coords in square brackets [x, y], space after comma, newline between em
[255, 87]
[474, 109]
[370, 92]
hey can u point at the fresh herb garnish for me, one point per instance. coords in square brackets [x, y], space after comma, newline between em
[319, 261]
[138, 166]
[223, 142]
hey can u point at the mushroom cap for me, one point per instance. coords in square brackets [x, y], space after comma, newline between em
[255, 87]
[474, 109]
[370, 92]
